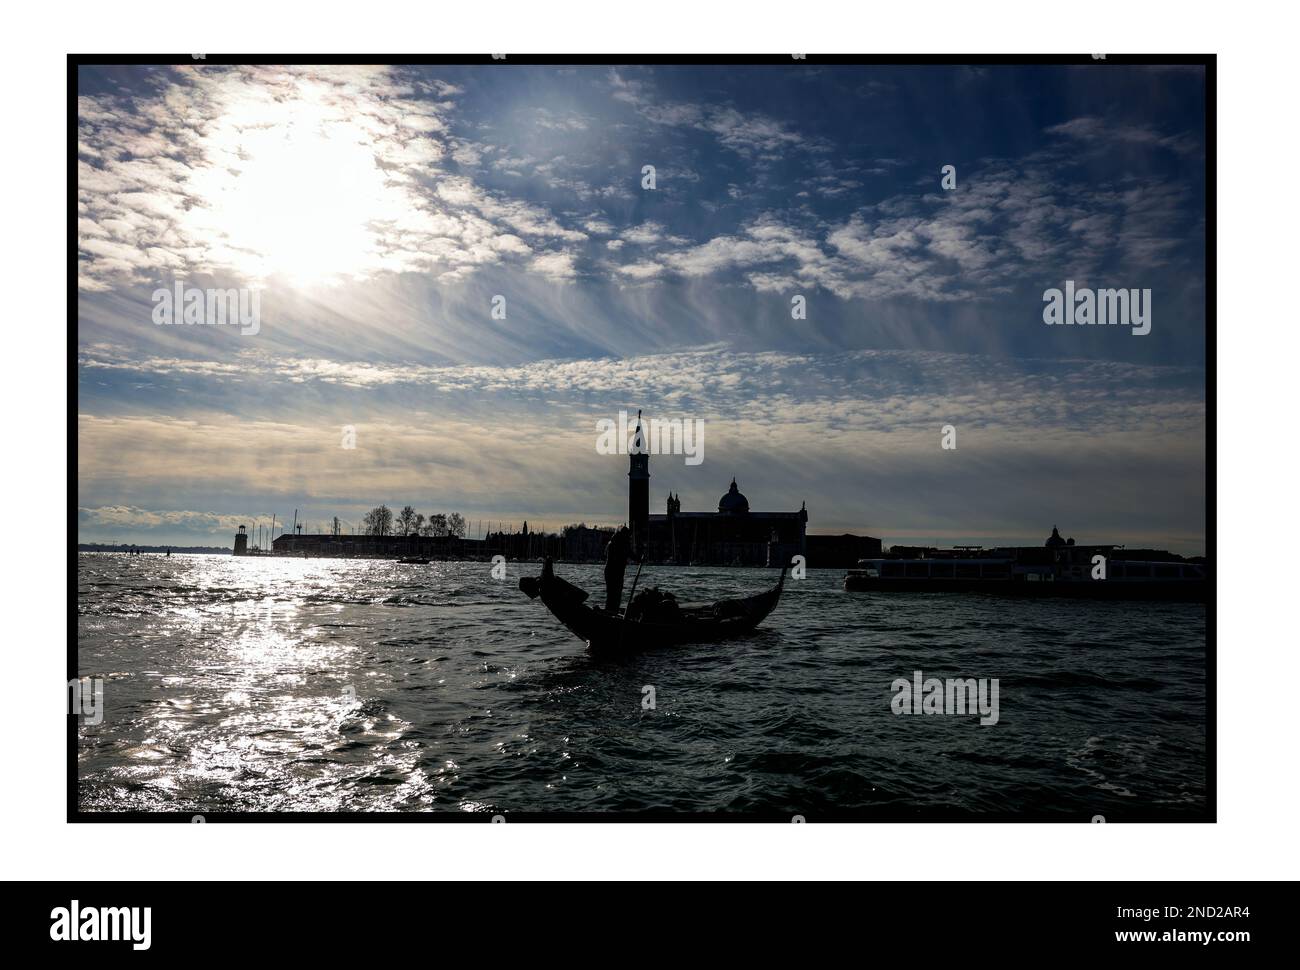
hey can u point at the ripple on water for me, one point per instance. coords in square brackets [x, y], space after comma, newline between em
[328, 685]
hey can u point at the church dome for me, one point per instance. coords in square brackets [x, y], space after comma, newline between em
[734, 500]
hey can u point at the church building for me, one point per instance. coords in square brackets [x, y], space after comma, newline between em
[734, 535]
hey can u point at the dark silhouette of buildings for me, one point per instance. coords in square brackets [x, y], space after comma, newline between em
[577, 543]
[840, 552]
[1054, 541]
[734, 535]
[584, 543]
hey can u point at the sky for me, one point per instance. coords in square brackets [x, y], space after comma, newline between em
[381, 215]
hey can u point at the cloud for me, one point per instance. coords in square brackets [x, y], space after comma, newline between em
[1112, 449]
[130, 520]
[321, 174]
[747, 133]
[381, 209]
[1099, 131]
[878, 390]
[312, 174]
[651, 233]
[554, 266]
[556, 121]
[1005, 224]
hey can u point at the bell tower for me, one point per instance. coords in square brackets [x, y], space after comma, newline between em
[638, 490]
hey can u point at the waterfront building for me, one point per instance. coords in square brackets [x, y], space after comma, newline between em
[734, 535]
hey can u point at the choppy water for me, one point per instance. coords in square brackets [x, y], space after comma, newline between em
[321, 685]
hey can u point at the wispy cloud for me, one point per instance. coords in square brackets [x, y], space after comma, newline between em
[307, 172]
[749, 133]
[383, 210]
[1103, 133]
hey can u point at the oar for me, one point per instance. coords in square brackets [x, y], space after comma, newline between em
[635, 579]
[622, 626]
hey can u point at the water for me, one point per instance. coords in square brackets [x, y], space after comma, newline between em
[278, 685]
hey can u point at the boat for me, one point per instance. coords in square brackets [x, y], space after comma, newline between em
[640, 627]
[1006, 576]
[414, 561]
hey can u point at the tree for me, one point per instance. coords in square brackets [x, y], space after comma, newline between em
[417, 527]
[378, 521]
[456, 525]
[437, 525]
[405, 520]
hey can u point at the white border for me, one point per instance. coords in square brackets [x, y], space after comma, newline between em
[1257, 360]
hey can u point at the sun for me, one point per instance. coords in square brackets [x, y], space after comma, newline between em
[292, 188]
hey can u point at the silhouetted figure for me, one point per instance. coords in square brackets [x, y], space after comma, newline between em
[653, 605]
[616, 556]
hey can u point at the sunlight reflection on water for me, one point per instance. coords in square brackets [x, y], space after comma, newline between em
[323, 685]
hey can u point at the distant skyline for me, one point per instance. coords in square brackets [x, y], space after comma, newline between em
[380, 211]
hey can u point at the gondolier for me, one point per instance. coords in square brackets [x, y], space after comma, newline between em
[617, 552]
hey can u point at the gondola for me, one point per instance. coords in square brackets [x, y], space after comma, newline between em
[611, 634]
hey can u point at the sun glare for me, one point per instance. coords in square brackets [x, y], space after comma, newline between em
[292, 189]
